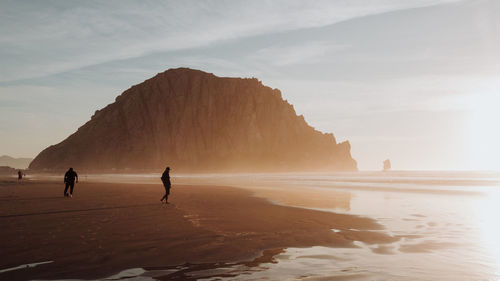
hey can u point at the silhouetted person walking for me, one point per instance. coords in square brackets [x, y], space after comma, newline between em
[69, 180]
[165, 178]
[19, 175]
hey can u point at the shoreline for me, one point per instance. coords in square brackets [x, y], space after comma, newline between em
[110, 227]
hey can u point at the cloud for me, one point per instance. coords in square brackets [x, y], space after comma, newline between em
[42, 38]
[306, 52]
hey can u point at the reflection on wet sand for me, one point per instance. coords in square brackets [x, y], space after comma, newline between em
[445, 223]
[314, 198]
[190, 271]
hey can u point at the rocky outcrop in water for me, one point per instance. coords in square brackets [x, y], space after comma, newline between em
[197, 122]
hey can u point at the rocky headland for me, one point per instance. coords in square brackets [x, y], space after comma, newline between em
[197, 122]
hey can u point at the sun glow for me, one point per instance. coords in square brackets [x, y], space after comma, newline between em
[483, 132]
[490, 226]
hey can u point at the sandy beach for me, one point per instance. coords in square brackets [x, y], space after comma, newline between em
[106, 228]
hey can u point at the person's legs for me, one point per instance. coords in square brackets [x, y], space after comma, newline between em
[167, 193]
[71, 191]
[66, 189]
[165, 197]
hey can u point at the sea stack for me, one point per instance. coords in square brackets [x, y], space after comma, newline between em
[387, 164]
[195, 121]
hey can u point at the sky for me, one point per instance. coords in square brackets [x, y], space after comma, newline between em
[414, 81]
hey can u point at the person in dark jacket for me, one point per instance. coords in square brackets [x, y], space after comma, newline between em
[69, 180]
[165, 178]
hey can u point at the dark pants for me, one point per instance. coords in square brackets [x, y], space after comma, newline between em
[167, 191]
[68, 184]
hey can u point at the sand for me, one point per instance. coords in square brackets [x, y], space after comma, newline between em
[106, 228]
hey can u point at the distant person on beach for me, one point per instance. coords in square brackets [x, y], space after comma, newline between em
[165, 178]
[19, 175]
[69, 180]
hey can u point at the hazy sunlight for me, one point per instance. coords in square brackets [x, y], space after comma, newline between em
[483, 132]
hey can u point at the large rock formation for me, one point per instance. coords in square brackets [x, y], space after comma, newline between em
[197, 122]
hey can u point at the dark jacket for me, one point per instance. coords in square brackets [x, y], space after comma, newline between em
[165, 178]
[70, 176]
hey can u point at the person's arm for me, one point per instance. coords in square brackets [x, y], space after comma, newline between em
[65, 177]
[76, 175]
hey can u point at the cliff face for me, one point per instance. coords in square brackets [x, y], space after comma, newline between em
[196, 121]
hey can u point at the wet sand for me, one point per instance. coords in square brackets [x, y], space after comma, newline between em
[106, 228]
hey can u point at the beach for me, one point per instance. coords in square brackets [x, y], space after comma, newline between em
[107, 228]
